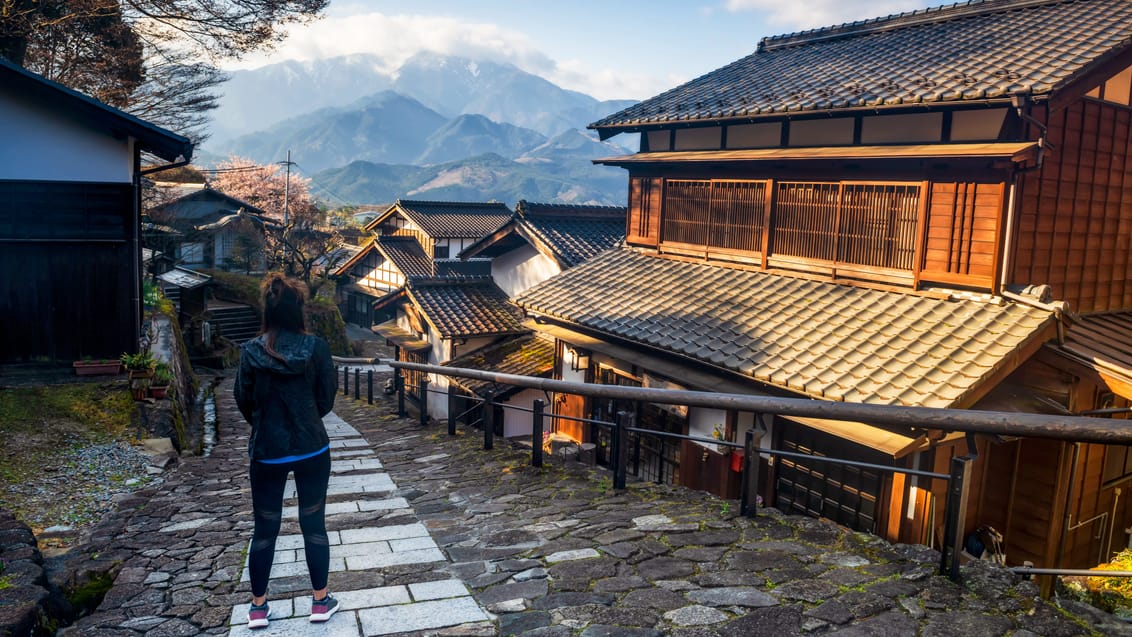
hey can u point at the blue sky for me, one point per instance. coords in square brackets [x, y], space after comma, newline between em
[608, 48]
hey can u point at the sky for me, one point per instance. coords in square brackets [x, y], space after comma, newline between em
[610, 49]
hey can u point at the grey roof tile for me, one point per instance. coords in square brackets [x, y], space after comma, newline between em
[405, 253]
[843, 343]
[465, 307]
[455, 218]
[966, 51]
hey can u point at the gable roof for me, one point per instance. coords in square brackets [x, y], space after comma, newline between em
[970, 51]
[822, 339]
[406, 254]
[465, 307]
[569, 234]
[526, 355]
[150, 138]
[448, 218]
[194, 206]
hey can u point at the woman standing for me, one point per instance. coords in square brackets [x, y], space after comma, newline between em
[285, 385]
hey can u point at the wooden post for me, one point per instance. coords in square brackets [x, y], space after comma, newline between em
[369, 386]
[345, 380]
[621, 447]
[451, 409]
[357, 383]
[399, 383]
[536, 432]
[489, 420]
[424, 401]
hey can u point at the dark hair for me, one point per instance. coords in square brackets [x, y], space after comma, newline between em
[283, 301]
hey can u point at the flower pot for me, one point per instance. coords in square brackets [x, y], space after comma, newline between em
[96, 368]
[158, 391]
[140, 374]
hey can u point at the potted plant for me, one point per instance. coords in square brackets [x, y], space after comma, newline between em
[138, 365]
[162, 379]
[96, 367]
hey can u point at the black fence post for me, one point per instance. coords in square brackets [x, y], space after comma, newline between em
[957, 492]
[489, 420]
[451, 409]
[357, 383]
[749, 481]
[345, 380]
[424, 401]
[369, 386]
[621, 448]
[536, 432]
[399, 383]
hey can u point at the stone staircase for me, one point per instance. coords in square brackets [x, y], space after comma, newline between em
[237, 323]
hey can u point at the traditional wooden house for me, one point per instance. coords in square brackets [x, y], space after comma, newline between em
[543, 239]
[70, 266]
[929, 209]
[216, 231]
[410, 237]
[441, 318]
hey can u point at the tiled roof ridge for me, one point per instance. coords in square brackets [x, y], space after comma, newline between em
[526, 208]
[459, 279]
[412, 203]
[894, 21]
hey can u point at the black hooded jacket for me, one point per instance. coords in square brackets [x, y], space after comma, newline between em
[285, 400]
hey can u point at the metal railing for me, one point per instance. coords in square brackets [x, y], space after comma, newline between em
[1064, 428]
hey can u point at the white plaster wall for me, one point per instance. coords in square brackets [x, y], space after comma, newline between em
[517, 422]
[39, 145]
[702, 422]
[459, 349]
[522, 268]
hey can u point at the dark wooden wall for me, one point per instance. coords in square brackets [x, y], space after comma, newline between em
[67, 271]
[1075, 219]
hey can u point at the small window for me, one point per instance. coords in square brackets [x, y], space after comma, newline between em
[440, 252]
[977, 126]
[765, 135]
[822, 132]
[909, 128]
[659, 140]
[192, 252]
[699, 138]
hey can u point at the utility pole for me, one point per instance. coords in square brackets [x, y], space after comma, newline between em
[287, 213]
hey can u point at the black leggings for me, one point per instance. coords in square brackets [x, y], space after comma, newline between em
[268, 482]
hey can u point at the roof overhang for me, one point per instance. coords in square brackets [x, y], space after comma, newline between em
[894, 444]
[1103, 342]
[400, 337]
[1014, 151]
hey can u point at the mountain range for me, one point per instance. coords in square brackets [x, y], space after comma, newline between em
[438, 127]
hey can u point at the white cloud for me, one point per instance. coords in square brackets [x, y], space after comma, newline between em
[396, 38]
[821, 13]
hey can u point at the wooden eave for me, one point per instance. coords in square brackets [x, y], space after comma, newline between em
[404, 339]
[377, 221]
[1014, 151]
[368, 247]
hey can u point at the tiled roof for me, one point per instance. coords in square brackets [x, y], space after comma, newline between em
[573, 233]
[822, 339]
[407, 254]
[465, 307]
[968, 51]
[454, 218]
[1104, 341]
[526, 355]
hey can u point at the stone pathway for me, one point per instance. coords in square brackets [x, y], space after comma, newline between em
[435, 536]
[356, 472]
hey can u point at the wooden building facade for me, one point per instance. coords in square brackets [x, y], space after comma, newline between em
[849, 158]
[70, 261]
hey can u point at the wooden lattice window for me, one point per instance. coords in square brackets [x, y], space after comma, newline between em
[863, 224]
[716, 213]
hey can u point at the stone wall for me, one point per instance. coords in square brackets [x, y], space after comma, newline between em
[27, 605]
[173, 417]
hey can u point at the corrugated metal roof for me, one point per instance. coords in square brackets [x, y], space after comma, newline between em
[454, 218]
[526, 355]
[969, 51]
[465, 307]
[817, 338]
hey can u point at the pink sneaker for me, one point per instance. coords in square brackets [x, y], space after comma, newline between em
[322, 609]
[257, 616]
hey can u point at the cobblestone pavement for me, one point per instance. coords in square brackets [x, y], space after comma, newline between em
[432, 535]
